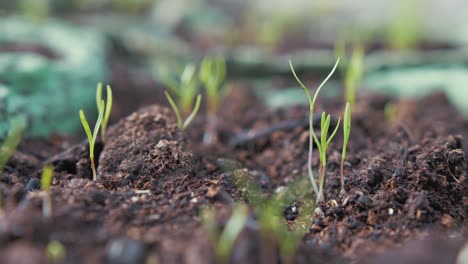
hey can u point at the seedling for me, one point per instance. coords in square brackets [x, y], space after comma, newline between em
[184, 89]
[224, 241]
[55, 251]
[12, 140]
[183, 124]
[270, 211]
[311, 122]
[354, 74]
[92, 137]
[390, 112]
[404, 29]
[46, 182]
[346, 132]
[322, 146]
[352, 69]
[213, 74]
[108, 108]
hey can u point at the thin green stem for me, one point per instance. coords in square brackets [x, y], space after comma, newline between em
[175, 108]
[193, 114]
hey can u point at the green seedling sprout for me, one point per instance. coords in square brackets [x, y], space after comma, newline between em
[322, 146]
[212, 74]
[311, 121]
[55, 251]
[183, 124]
[92, 137]
[390, 112]
[185, 89]
[108, 108]
[46, 182]
[270, 211]
[346, 132]
[12, 140]
[224, 241]
[404, 29]
[232, 230]
[354, 74]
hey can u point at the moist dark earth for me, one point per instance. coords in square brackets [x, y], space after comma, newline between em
[405, 198]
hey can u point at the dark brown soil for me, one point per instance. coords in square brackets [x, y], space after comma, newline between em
[405, 200]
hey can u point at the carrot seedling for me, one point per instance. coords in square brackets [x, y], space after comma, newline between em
[322, 146]
[92, 137]
[311, 122]
[184, 89]
[183, 124]
[346, 132]
[213, 74]
[354, 73]
[108, 108]
[224, 241]
[46, 182]
[12, 140]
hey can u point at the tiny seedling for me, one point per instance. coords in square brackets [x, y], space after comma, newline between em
[224, 241]
[55, 251]
[404, 28]
[270, 211]
[108, 108]
[46, 182]
[346, 132]
[92, 137]
[311, 121]
[390, 112]
[322, 146]
[12, 140]
[183, 124]
[213, 74]
[184, 89]
[354, 74]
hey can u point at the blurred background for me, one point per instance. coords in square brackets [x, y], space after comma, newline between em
[54, 52]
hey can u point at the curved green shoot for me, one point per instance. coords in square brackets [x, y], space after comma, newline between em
[183, 124]
[46, 182]
[108, 108]
[224, 241]
[12, 140]
[311, 114]
[346, 132]
[184, 88]
[92, 137]
[231, 231]
[322, 146]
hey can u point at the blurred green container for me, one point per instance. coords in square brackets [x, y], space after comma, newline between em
[48, 71]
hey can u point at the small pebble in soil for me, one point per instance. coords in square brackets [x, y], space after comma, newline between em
[291, 212]
[319, 212]
[364, 202]
[125, 251]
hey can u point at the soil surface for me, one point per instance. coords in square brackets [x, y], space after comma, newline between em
[405, 198]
